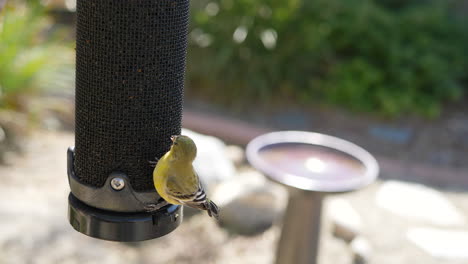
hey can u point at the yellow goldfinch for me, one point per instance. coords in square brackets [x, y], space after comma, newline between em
[177, 182]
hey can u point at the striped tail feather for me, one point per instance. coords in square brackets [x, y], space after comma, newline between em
[200, 201]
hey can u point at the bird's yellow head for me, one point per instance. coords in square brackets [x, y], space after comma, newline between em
[183, 148]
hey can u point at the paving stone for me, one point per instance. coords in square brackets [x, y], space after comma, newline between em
[361, 250]
[236, 154]
[418, 203]
[249, 204]
[211, 163]
[440, 243]
[346, 222]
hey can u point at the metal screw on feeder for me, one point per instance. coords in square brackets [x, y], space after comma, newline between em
[117, 184]
[311, 165]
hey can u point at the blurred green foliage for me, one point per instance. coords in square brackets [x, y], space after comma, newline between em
[31, 54]
[391, 57]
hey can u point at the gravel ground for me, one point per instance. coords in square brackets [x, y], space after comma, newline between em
[34, 227]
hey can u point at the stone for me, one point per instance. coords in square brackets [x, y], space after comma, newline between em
[361, 250]
[246, 181]
[211, 163]
[15, 127]
[249, 203]
[440, 243]
[236, 154]
[51, 123]
[2, 135]
[418, 203]
[249, 215]
[346, 222]
[54, 111]
[3, 145]
[190, 211]
[391, 134]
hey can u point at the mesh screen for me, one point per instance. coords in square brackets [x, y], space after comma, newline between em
[129, 85]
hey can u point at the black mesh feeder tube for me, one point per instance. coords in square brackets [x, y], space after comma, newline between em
[130, 61]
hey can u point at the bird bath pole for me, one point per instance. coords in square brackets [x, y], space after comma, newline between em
[311, 165]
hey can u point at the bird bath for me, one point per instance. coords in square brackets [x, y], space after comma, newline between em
[311, 165]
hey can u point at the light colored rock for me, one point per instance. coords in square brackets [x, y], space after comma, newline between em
[361, 250]
[236, 154]
[346, 222]
[3, 145]
[14, 126]
[249, 203]
[419, 203]
[2, 135]
[51, 123]
[441, 243]
[247, 181]
[250, 214]
[211, 164]
[55, 112]
[190, 211]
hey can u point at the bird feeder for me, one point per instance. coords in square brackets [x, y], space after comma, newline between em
[130, 62]
[311, 165]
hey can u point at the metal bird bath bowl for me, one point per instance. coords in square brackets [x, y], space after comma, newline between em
[312, 165]
[312, 161]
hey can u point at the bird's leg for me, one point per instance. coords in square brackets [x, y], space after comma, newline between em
[153, 162]
[152, 207]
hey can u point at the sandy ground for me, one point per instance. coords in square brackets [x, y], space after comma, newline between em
[34, 226]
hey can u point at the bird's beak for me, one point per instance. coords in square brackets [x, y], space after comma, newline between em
[173, 138]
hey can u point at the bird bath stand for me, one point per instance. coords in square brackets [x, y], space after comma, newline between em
[311, 165]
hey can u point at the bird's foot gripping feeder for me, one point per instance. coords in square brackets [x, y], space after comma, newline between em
[130, 62]
[311, 165]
